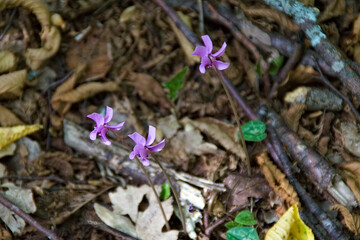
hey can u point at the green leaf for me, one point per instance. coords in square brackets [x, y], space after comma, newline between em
[230, 225]
[258, 68]
[175, 84]
[275, 65]
[242, 233]
[245, 218]
[165, 192]
[253, 131]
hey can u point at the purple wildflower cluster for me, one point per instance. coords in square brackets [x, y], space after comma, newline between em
[142, 147]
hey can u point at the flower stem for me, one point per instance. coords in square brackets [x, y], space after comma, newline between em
[174, 192]
[154, 190]
[232, 104]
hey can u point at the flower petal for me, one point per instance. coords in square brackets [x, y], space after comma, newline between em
[158, 147]
[221, 65]
[145, 162]
[93, 134]
[151, 135]
[109, 114]
[205, 61]
[141, 151]
[104, 138]
[220, 52]
[98, 118]
[208, 43]
[137, 138]
[132, 155]
[200, 51]
[116, 127]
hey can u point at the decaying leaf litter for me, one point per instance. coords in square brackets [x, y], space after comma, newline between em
[62, 60]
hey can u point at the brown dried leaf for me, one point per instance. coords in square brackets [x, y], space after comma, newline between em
[356, 28]
[149, 89]
[86, 90]
[11, 84]
[67, 86]
[277, 180]
[8, 118]
[276, 15]
[353, 167]
[352, 221]
[185, 44]
[7, 61]
[292, 115]
[245, 187]
[335, 8]
[224, 133]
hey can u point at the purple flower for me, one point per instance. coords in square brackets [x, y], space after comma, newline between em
[102, 126]
[207, 58]
[142, 148]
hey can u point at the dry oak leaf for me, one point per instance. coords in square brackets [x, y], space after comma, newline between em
[8, 118]
[224, 133]
[352, 221]
[23, 198]
[149, 89]
[277, 180]
[12, 84]
[9, 135]
[7, 61]
[149, 223]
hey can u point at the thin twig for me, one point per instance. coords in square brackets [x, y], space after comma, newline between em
[174, 192]
[8, 25]
[154, 190]
[15, 209]
[337, 92]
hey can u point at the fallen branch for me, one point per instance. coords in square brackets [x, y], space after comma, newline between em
[15, 209]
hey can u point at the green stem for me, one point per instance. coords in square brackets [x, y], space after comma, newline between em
[174, 192]
[153, 188]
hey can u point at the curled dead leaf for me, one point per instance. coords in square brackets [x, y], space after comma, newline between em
[11, 84]
[35, 57]
[7, 61]
[352, 221]
[292, 115]
[277, 180]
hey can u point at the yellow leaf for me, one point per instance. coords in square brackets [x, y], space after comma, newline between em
[290, 227]
[11, 134]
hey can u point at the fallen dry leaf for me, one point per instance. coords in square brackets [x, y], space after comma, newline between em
[148, 224]
[7, 61]
[292, 115]
[334, 8]
[9, 135]
[149, 90]
[12, 84]
[224, 133]
[352, 221]
[350, 137]
[8, 118]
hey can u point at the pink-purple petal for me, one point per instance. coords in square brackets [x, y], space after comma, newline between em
[104, 138]
[158, 147]
[220, 52]
[93, 134]
[145, 162]
[132, 155]
[109, 114]
[98, 118]
[208, 43]
[221, 65]
[200, 51]
[116, 127]
[151, 135]
[204, 63]
[137, 138]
